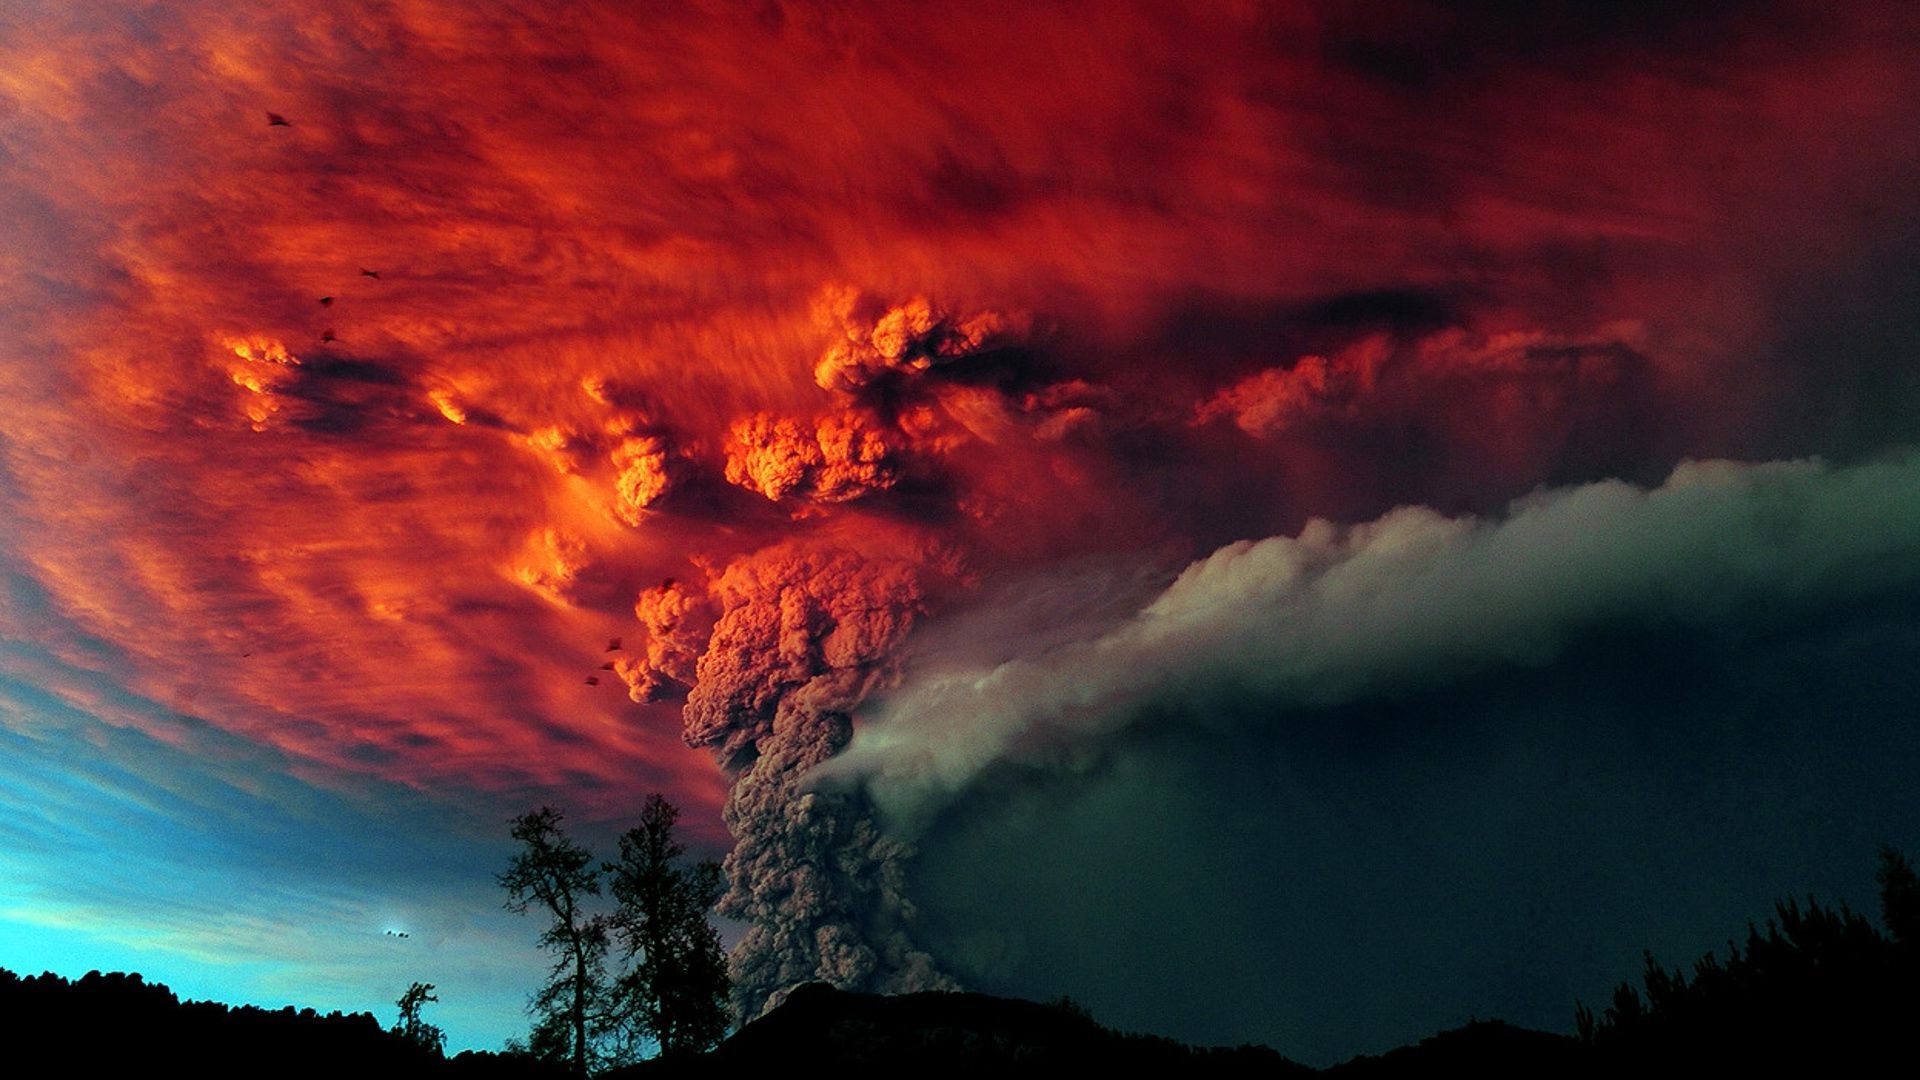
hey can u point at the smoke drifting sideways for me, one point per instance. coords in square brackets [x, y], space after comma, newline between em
[1407, 602]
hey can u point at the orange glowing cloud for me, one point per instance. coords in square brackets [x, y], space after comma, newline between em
[359, 437]
[836, 458]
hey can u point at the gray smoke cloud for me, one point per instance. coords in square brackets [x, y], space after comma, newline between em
[1410, 600]
[800, 639]
[787, 642]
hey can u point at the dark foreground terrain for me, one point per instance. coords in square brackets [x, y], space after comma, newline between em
[869, 1035]
[1819, 990]
[123, 1026]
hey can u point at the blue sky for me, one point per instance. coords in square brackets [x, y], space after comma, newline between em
[206, 866]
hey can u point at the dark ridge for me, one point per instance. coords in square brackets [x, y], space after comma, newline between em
[867, 1034]
[1484, 1048]
[101, 1025]
[838, 1031]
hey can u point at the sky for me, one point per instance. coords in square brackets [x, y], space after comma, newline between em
[1298, 523]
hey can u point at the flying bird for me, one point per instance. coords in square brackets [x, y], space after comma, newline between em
[326, 301]
[327, 338]
[274, 119]
[593, 680]
[374, 274]
[613, 644]
[608, 666]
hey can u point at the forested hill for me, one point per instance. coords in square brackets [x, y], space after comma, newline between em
[100, 1025]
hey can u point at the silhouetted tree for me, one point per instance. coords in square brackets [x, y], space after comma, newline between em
[675, 989]
[412, 1026]
[1820, 986]
[557, 874]
[1899, 897]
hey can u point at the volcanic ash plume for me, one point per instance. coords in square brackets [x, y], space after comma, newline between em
[801, 637]
[790, 640]
[678, 623]
[908, 339]
[838, 458]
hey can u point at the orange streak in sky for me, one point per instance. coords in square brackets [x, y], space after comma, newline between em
[604, 238]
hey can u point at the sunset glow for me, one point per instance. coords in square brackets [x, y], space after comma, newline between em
[817, 353]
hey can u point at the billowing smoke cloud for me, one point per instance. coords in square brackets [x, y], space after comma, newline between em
[616, 440]
[1415, 598]
[837, 458]
[902, 341]
[1274, 400]
[678, 621]
[874, 358]
[645, 475]
[802, 636]
[553, 562]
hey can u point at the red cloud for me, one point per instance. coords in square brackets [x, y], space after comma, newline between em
[631, 262]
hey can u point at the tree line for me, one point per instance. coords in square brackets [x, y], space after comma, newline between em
[115, 1023]
[1820, 987]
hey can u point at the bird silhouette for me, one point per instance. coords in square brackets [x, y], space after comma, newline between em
[274, 119]
[667, 584]
[593, 680]
[613, 644]
[374, 274]
[327, 337]
[326, 301]
[608, 666]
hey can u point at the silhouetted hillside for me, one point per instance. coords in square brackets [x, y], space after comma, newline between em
[1820, 990]
[1484, 1048]
[947, 1033]
[838, 1031]
[109, 1024]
